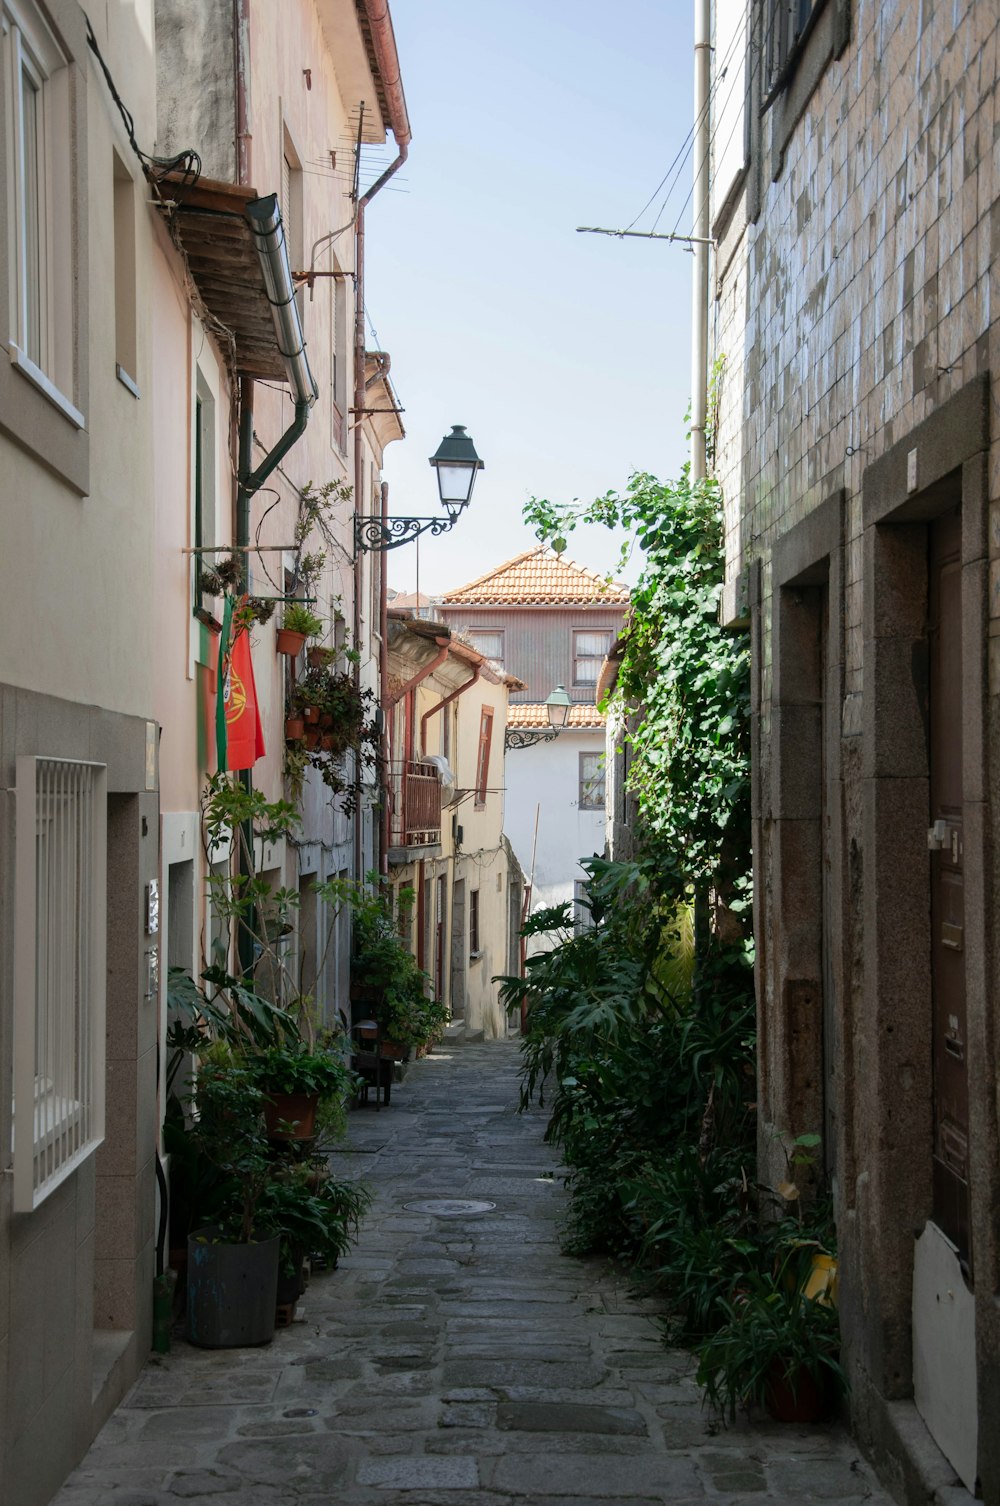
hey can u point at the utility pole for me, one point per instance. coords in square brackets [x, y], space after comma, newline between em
[699, 239]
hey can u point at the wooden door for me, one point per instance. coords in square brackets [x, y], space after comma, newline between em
[945, 840]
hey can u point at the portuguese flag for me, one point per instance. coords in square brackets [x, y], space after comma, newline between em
[239, 737]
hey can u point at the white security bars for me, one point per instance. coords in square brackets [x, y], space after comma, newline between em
[59, 971]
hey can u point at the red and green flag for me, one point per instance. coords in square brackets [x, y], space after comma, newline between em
[239, 737]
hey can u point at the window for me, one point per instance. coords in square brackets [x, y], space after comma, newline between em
[589, 652]
[59, 971]
[126, 363]
[591, 781]
[292, 212]
[483, 756]
[583, 919]
[474, 923]
[203, 482]
[786, 23]
[39, 201]
[489, 643]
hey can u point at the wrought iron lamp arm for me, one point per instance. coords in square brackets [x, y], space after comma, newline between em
[373, 535]
[515, 738]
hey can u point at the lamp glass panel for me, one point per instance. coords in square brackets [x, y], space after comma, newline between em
[455, 483]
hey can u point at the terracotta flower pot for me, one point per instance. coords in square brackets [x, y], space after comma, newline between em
[289, 643]
[318, 658]
[327, 741]
[311, 714]
[796, 1398]
[312, 738]
[294, 728]
[325, 720]
[296, 1109]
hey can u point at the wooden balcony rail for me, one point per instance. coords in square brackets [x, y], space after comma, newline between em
[416, 812]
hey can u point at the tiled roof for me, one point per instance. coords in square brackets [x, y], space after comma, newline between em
[538, 576]
[405, 599]
[535, 714]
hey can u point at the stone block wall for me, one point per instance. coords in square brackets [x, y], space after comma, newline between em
[855, 319]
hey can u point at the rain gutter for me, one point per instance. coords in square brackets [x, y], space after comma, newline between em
[376, 13]
[446, 702]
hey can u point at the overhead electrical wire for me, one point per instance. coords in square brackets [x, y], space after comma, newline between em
[754, 66]
[684, 151]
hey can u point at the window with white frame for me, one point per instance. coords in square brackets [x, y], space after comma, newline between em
[592, 781]
[36, 90]
[589, 652]
[59, 971]
[488, 642]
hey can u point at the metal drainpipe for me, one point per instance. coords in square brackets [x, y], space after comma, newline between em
[241, 70]
[359, 404]
[383, 683]
[699, 292]
[442, 704]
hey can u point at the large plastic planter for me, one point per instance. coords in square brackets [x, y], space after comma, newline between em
[231, 1291]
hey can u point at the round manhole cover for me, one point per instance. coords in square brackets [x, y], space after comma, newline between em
[449, 1207]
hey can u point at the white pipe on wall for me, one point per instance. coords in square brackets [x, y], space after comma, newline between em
[699, 294]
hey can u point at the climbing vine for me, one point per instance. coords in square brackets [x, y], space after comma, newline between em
[683, 677]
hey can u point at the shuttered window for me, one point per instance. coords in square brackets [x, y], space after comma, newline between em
[59, 971]
[483, 758]
[474, 923]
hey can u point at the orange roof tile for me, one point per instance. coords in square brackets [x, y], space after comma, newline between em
[535, 714]
[538, 576]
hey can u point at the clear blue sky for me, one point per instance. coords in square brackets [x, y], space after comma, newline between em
[567, 356]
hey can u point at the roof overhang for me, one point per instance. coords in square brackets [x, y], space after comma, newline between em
[347, 32]
[208, 220]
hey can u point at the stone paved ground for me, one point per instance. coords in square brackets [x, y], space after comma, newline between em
[453, 1361]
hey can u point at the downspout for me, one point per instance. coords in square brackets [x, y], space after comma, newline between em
[442, 704]
[376, 13]
[422, 674]
[241, 70]
[264, 218]
[383, 682]
[699, 291]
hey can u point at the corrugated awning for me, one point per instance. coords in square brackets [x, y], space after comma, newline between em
[207, 220]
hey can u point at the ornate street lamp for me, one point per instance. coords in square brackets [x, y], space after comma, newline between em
[457, 466]
[556, 709]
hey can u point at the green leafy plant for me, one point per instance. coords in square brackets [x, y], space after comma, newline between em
[297, 1068]
[297, 618]
[772, 1335]
[314, 1215]
[388, 977]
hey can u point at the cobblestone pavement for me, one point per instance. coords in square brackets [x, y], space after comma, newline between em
[453, 1361]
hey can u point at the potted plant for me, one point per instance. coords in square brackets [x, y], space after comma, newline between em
[298, 623]
[317, 1217]
[293, 1079]
[319, 657]
[777, 1347]
[232, 1267]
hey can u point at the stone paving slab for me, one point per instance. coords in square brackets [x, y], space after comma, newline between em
[454, 1361]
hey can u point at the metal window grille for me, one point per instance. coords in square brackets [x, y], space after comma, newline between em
[59, 971]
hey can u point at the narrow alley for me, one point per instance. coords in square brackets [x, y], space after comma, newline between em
[455, 1356]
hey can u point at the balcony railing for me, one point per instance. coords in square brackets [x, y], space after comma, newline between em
[416, 806]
